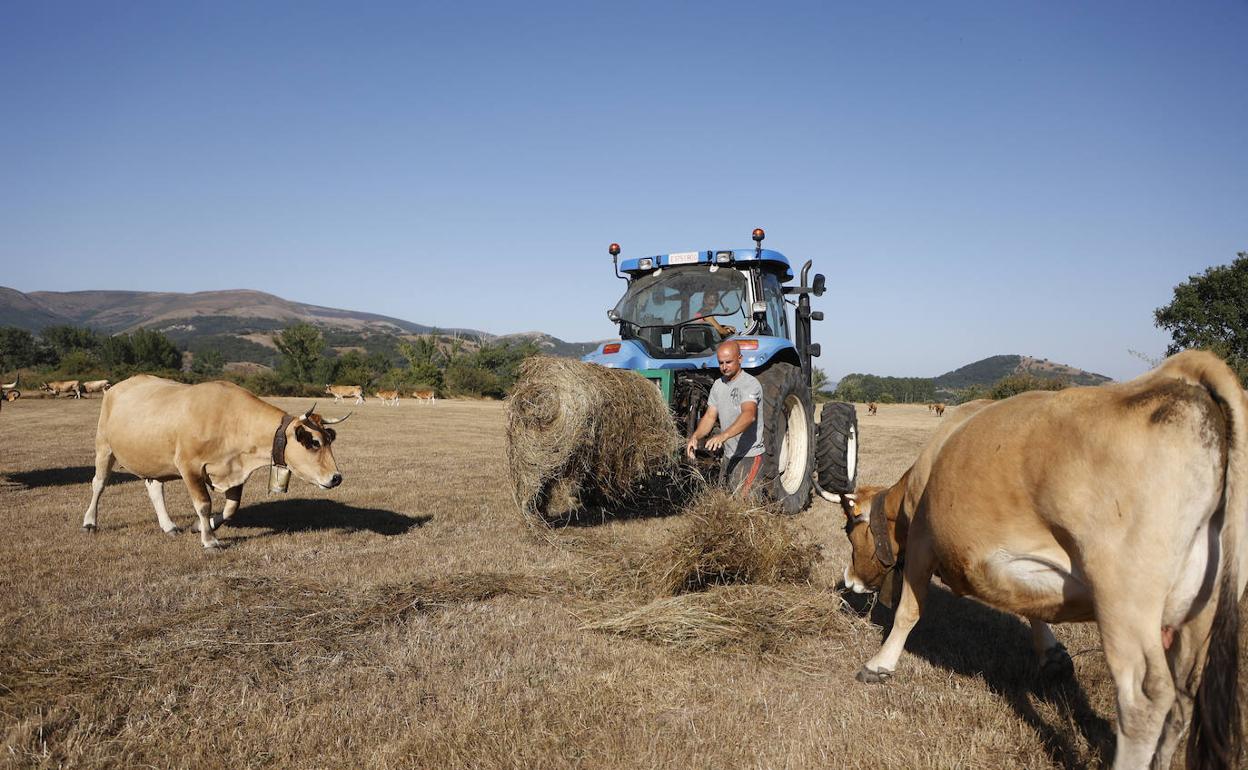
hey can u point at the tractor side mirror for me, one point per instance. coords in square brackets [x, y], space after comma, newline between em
[815, 349]
[820, 285]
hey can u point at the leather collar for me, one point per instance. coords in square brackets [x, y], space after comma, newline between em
[879, 532]
[279, 441]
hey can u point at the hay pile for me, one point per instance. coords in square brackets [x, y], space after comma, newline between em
[726, 540]
[732, 575]
[753, 618]
[579, 433]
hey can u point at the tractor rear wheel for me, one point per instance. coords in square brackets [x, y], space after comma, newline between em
[788, 436]
[836, 458]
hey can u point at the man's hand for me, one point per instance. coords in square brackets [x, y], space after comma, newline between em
[691, 446]
[714, 443]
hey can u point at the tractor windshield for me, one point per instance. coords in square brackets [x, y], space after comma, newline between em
[675, 296]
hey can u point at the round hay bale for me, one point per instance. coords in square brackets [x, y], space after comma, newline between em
[580, 431]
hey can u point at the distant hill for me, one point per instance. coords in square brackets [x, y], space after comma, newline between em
[950, 386]
[991, 369]
[239, 322]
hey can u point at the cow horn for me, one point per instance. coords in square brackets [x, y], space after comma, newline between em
[311, 409]
[335, 422]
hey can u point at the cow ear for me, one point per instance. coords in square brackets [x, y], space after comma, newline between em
[330, 435]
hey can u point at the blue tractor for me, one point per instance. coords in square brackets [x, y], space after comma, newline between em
[679, 307]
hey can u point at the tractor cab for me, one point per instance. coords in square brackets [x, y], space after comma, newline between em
[676, 310]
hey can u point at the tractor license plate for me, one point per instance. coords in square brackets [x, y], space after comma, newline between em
[683, 258]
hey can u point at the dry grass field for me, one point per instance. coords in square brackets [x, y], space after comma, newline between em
[411, 618]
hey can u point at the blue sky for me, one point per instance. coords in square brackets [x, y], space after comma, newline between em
[973, 178]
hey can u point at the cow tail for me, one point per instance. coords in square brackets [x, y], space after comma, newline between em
[1216, 732]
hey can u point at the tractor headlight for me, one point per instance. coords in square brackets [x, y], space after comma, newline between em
[613, 316]
[645, 264]
[723, 257]
[759, 309]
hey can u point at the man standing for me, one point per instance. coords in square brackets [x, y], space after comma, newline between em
[734, 401]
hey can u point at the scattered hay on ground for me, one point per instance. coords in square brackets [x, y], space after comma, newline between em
[753, 618]
[578, 431]
[727, 540]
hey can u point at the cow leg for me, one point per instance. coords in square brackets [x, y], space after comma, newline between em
[156, 493]
[1137, 660]
[1055, 662]
[920, 564]
[104, 460]
[1187, 661]
[233, 496]
[198, 488]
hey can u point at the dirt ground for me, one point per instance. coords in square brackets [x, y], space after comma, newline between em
[411, 618]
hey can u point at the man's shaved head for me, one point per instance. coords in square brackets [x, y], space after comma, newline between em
[729, 356]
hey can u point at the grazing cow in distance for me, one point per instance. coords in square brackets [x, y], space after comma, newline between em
[389, 397]
[425, 396]
[96, 386]
[339, 392]
[872, 407]
[214, 434]
[1037, 505]
[58, 387]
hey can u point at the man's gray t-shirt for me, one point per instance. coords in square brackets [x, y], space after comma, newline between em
[727, 398]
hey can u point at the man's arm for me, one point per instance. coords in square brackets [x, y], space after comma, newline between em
[749, 413]
[705, 426]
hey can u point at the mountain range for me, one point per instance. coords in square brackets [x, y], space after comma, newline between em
[241, 323]
[251, 317]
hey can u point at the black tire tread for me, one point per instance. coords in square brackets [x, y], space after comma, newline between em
[778, 381]
[836, 421]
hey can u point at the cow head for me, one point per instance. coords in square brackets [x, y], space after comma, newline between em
[308, 449]
[871, 526]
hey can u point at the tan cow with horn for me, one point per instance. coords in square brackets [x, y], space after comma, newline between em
[1123, 504]
[211, 435]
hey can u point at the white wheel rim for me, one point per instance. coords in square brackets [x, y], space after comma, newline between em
[794, 450]
[851, 455]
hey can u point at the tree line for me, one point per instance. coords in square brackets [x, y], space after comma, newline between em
[305, 364]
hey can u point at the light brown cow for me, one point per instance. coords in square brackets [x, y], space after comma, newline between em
[872, 407]
[389, 397]
[96, 386]
[214, 434]
[939, 409]
[339, 392]
[1123, 504]
[425, 396]
[58, 387]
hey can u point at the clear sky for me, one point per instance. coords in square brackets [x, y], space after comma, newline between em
[974, 178]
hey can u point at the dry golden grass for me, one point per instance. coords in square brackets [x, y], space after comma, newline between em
[411, 618]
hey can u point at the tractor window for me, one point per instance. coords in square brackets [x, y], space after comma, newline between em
[681, 294]
[774, 296]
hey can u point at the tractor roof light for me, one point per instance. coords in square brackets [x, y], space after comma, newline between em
[723, 257]
[614, 249]
[758, 235]
[645, 264]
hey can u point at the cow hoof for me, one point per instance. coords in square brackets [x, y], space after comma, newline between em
[1057, 665]
[867, 676]
[88, 528]
[174, 531]
[215, 545]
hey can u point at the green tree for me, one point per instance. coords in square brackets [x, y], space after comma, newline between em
[153, 350]
[209, 363]
[301, 346]
[1210, 311]
[1014, 384]
[19, 349]
[64, 339]
[117, 351]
